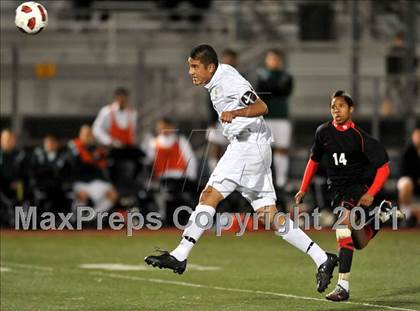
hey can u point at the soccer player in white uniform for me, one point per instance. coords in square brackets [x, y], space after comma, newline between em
[244, 167]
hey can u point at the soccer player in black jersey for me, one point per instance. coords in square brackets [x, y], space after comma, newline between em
[357, 168]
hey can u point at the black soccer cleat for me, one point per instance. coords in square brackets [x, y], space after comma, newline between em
[167, 261]
[338, 294]
[325, 272]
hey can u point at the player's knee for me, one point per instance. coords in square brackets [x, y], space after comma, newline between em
[263, 214]
[267, 214]
[362, 237]
[358, 244]
[210, 196]
[359, 241]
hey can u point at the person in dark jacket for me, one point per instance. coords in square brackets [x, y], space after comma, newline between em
[274, 86]
[88, 166]
[11, 176]
[46, 175]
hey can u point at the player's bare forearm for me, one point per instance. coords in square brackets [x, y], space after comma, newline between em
[259, 108]
[381, 177]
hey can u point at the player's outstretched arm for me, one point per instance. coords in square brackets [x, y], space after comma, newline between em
[258, 108]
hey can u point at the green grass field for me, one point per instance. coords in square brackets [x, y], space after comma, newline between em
[259, 271]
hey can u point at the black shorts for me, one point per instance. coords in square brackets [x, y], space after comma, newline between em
[349, 196]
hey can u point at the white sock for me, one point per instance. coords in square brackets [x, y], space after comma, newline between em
[194, 230]
[344, 284]
[301, 241]
[317, 254]
[281, 165]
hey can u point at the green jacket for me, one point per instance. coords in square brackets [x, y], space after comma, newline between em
[274, 88]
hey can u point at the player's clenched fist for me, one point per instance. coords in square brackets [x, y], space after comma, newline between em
[366, 200]
[227, 116]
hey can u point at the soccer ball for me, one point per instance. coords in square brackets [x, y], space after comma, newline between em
[31, 17]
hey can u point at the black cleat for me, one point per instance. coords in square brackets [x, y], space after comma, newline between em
[325, 272]
[338, 294]
[167, 261]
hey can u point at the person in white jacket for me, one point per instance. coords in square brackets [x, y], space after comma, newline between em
[115, 125]
[174, 167]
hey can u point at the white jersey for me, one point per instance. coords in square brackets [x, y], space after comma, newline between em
[230, 91]
[102, 123]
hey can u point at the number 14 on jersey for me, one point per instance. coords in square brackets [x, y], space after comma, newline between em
[339, 159]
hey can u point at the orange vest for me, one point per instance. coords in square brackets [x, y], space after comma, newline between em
[123, 135]
[97, 157]
[168, 158]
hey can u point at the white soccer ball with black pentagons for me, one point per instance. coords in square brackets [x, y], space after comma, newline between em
[31, 17]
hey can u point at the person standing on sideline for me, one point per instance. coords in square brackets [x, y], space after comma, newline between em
[274, 86]
[115, 128]
[116, 123]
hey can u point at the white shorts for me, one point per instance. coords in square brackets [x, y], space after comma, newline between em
[281, 130]
[245, 167]
[96, 189]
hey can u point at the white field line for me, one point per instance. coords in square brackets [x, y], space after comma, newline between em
[239, 290]
[113, 266]
[141, 267]
[249, 291]
[26, 266]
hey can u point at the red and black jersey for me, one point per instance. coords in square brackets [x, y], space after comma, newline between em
[350, 154]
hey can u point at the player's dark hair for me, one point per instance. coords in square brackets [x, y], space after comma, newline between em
[230, 52]
[50, 136]
[167, 120]
[205, 54]
[121, 91]
[346, 96]
[276, 52]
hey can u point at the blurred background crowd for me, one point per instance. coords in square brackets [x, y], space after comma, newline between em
[98, 110]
